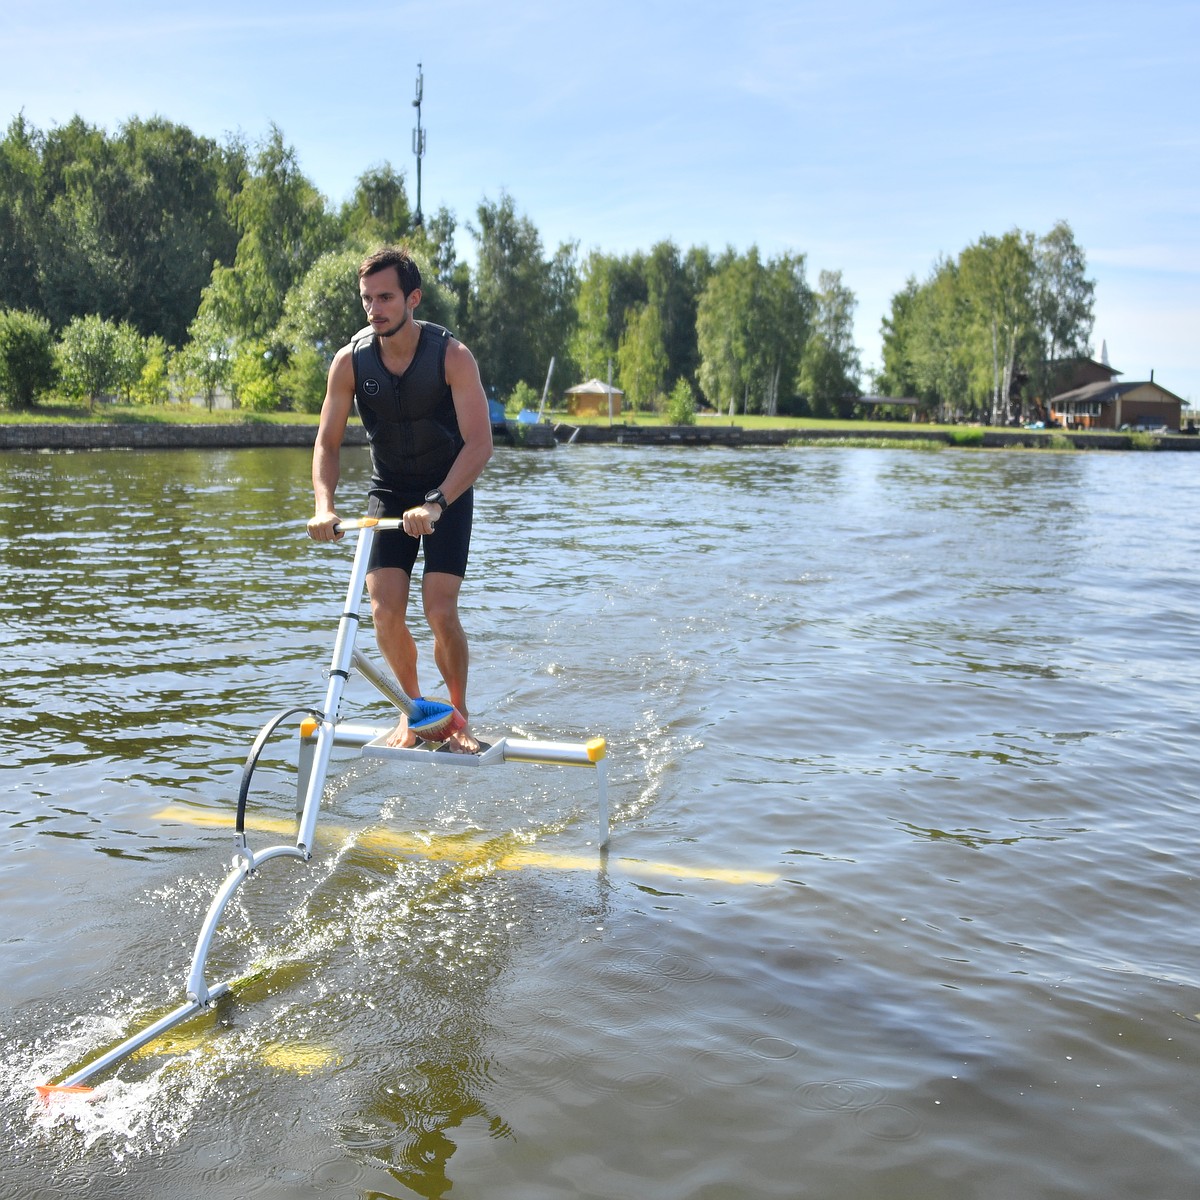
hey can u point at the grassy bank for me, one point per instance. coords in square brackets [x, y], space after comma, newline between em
[798, 430]
[753, 421]
[63, 412]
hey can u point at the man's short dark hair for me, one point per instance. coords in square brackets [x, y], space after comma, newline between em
[407, 270]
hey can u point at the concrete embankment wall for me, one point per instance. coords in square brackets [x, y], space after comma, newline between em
[134, 436]
[158, 437]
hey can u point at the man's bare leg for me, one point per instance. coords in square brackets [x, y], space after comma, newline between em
[439, 591]
[388, 588]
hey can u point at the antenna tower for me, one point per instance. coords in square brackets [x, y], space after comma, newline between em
[418, 143]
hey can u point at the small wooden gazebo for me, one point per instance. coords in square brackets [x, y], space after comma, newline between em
[591, 399]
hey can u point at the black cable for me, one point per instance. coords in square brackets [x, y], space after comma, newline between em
[256, 750]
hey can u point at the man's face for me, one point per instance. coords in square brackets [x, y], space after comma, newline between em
[387, 308]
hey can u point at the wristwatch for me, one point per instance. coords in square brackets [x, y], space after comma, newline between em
[436, 497]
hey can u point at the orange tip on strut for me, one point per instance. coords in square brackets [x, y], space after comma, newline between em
[48, 1091]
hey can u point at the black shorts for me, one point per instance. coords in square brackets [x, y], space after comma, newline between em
[446, 549]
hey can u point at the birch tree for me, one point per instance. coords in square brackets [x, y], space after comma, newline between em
[592, 344]
[784, 310]
[521, 304]
[724, 317]
[284, 228]
[1063, 301]
[830, 366]
[996, 275]
[938, 349]
[752, 323]
[641, 356]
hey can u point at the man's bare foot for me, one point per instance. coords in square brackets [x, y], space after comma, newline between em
[402, 736]
[462, 741]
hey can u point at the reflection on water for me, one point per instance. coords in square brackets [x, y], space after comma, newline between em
[915, 729]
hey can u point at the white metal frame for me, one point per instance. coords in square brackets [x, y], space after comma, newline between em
[318, 739]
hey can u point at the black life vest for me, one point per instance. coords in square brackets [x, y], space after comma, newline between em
[410, 418]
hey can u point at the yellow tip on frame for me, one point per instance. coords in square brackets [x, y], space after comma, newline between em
[597, 748]
[308, 727]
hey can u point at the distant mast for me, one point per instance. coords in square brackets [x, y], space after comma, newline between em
[1104, 353]
[418, 143]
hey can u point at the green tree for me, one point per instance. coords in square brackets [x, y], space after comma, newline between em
[521, 308]
[205, 362]
[88, 358]
[129, 226]
[284, 228]
[830, 365]
[1063, 301]
[303, 378]
[433, 243]
[784, 306]
[752, 323]
[681, 404]
[178, 201]
[131, 354]
[966, 337]
[437, 233]
[252, 377]
[593, 343]
[153, 385]
[996, 276]
[898, 377]
[27, 361]
[79, 260]
[673, 287]
[378, 212]
[723, 332]
[553, 342]
[641, 356]
[324, 311]
[521, 398]
[940, 353]
[20, 206]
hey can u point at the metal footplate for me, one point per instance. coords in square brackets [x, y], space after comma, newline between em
[487, 756]
[506, 749]
[371, 742]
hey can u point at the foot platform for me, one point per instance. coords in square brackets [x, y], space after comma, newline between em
[488, 754]
[371, 742]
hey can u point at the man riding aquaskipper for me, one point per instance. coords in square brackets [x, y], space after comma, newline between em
[421, 401]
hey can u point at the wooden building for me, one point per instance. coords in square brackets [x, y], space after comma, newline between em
[1107, 404]
[1067, 374]
[591, 399]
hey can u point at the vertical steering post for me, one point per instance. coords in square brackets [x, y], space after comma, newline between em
[339, 672]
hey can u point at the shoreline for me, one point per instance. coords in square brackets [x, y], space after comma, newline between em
[160, 436]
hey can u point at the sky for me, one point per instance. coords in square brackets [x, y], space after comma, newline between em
[872, 137]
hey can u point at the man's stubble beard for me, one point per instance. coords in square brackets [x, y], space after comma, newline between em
[387, 333]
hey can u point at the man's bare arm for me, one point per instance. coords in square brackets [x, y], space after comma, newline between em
[475, 426]
[326, 464]
[474, 421]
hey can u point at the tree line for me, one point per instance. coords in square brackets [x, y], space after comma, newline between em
[980, 337]
[152, 263]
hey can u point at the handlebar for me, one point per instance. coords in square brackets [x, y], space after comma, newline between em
[370, 523]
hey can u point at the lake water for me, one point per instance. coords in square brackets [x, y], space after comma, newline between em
[901, 899]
